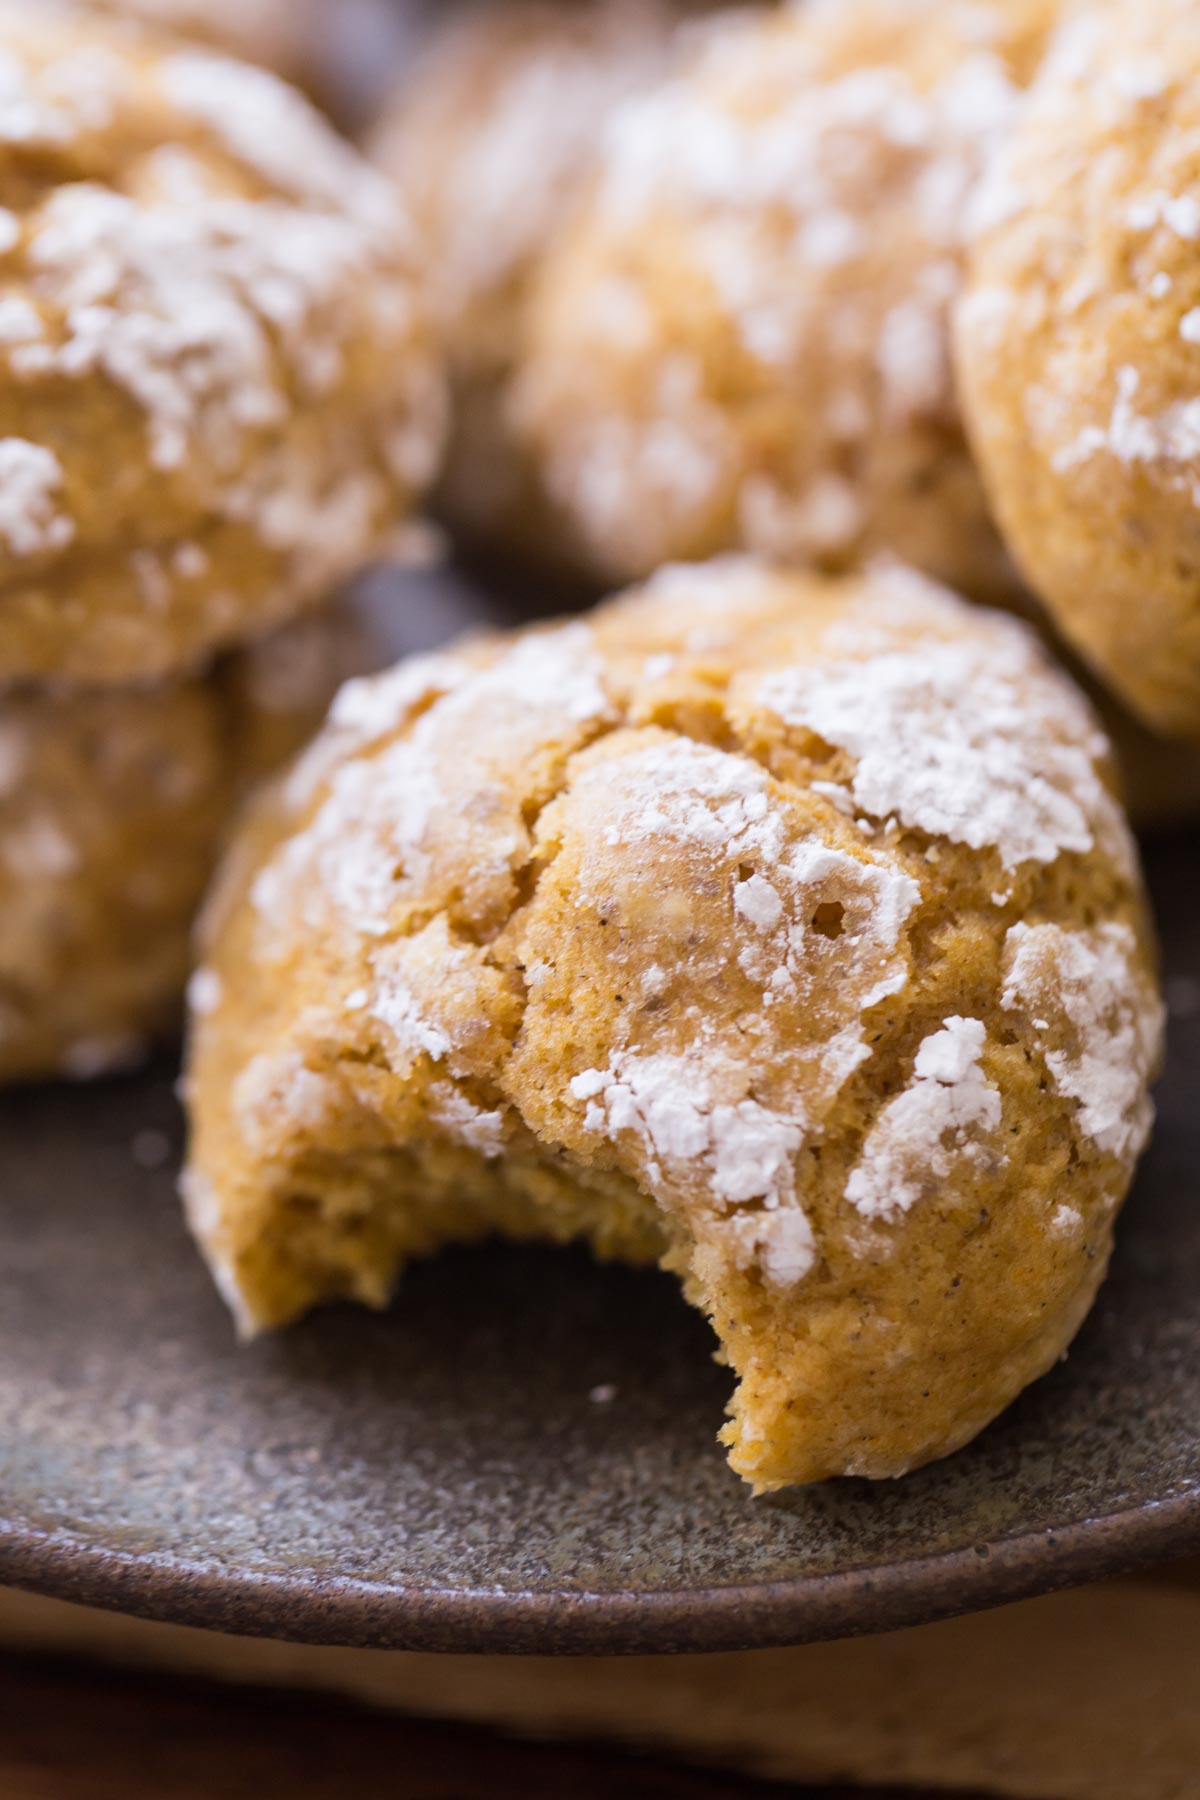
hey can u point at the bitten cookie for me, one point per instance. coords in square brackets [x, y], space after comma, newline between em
[493, 133]
[782, 928]
[218, 392]
[113, 806]
[745, 338]
[1079, 348]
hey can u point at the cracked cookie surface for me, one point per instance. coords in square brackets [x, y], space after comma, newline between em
[783, 928]
[219, 392]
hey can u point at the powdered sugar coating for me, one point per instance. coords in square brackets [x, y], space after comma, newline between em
[219, 296]
[1076, 347]
[1098, 1022]
[742, 1152]
[493, 131]
[32, 522]
[1017, 771]
[384, 820]
[745, 338]
[692, 816]
[113, 812]
[926, 1135]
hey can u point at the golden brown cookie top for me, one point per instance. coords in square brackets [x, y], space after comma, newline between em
[492, 132]
[1079, 346]
[218, 392]
[745, 339]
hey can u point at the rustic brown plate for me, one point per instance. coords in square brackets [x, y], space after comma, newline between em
[521, 1454]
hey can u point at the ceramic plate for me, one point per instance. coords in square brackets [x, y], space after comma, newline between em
[521, 1454]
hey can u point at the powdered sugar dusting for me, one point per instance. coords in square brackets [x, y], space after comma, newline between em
[216, 253]
[815, 931]
[396, 1007]
[1097, 1020]
[386, 818]
[474, 1127]
[183, 307]
[273, 129]
[1015, 770]
[932, 1132]
[723, 810]
[741, 1151]
[31, 519]
[277, 1092]
[747, 1149]
[367, 708]
[540, 85]
[778, 162]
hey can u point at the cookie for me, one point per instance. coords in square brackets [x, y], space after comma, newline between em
[1079, 349]
[492, 132]
[744, 339]
[219, 394]
[113, 806]
[275, 33]
[781, 928]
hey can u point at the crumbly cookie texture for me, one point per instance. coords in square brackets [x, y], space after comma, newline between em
[219, 391]
[1079, 348]
[113, 807]
[493, 132]
[780, 927]
[744, 340]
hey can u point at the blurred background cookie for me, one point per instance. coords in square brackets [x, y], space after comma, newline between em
[113, 805]
[744, 337]
[275, 33]
[493, 131]
[220, 394]
[1079, 348]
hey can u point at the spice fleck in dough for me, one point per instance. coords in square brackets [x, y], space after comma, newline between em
[1079, 348]
[113, 807]
[744, 339]
[779, 927]
[219, 395]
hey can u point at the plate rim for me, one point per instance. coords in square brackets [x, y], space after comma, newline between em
[355, 1614]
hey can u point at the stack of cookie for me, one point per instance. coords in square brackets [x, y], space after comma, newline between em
[780, 921]
[219, 399]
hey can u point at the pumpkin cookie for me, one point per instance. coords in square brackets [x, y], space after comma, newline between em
[782, 928]
[744, 340]
[493, 133]
[113, 805]
[219, 395]
[1079, 348]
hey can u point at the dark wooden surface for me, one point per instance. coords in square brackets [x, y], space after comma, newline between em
[71, 1732]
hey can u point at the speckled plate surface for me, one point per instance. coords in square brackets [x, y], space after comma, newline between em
[521, 1454]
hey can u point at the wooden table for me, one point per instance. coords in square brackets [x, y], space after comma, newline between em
[73, 1732]
[1085, 1695]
